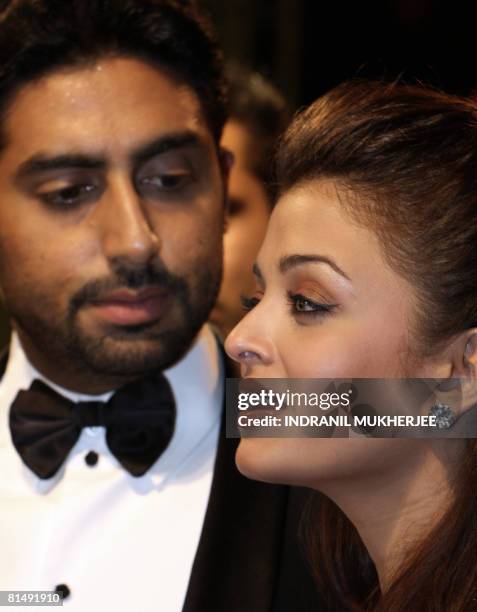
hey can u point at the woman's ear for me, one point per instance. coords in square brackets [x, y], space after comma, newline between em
[457, 359]
[463, 399]
[464, 359]
[470, 354]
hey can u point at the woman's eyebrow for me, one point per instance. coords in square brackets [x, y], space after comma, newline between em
[289, 262]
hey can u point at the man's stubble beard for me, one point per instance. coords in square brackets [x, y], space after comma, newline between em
[124, 352]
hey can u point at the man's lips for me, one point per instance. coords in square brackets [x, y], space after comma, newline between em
[127, 307]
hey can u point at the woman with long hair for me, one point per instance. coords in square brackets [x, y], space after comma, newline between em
[369, 270]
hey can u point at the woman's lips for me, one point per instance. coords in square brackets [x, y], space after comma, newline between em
[125, 307]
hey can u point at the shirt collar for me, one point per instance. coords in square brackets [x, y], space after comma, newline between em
[197, 382]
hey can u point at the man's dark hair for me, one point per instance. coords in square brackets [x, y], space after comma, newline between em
[260, 108]
[38, 37]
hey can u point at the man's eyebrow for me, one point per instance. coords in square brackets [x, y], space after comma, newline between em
[292, 261]
[42, 162]
[163, 144]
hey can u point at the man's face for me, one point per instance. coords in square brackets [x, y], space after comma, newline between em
[111, 216]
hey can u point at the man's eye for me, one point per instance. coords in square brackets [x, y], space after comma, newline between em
[69, 196]
[166, 182]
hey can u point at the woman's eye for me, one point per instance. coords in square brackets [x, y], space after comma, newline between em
[70, 196]
[249, 302]
[300, 304]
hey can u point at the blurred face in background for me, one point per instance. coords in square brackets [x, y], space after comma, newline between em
[249, 211]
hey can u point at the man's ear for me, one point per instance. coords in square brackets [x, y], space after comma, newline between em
[226, 160]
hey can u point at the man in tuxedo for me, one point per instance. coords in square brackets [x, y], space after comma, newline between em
[118, 486]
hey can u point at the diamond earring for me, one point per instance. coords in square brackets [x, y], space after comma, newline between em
[444, 415]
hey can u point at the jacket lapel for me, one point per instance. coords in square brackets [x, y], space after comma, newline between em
[238, 557]
[3, 361]
[237, 560]
[249, 558]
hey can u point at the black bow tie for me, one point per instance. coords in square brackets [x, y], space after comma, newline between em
[139, 420]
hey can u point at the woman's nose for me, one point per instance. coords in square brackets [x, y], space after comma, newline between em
[249, 344]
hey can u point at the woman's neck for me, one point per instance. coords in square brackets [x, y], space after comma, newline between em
[394, 508]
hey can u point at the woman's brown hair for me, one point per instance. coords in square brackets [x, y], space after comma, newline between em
[404, 159]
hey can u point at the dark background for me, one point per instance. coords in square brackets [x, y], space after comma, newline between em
[305, 47]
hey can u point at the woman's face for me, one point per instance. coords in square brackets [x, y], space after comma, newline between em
[327, 305]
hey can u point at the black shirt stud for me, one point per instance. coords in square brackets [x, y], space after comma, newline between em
[91, 458]
[63, 590]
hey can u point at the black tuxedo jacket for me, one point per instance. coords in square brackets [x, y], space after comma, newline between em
[248, 559]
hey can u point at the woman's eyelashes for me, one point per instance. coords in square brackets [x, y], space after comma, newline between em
[300, 305]
[249, 302]
[303, 306]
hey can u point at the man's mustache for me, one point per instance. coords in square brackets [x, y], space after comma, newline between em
[130, 277]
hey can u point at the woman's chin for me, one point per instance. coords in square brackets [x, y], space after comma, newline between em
[251, 461]
[265, 459]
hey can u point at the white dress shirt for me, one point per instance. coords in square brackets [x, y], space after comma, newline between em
[118, 542]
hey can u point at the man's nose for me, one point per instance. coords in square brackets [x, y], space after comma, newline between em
[125, 223]
[250, 343]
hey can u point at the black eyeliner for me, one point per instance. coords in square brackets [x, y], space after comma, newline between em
[319, 308]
